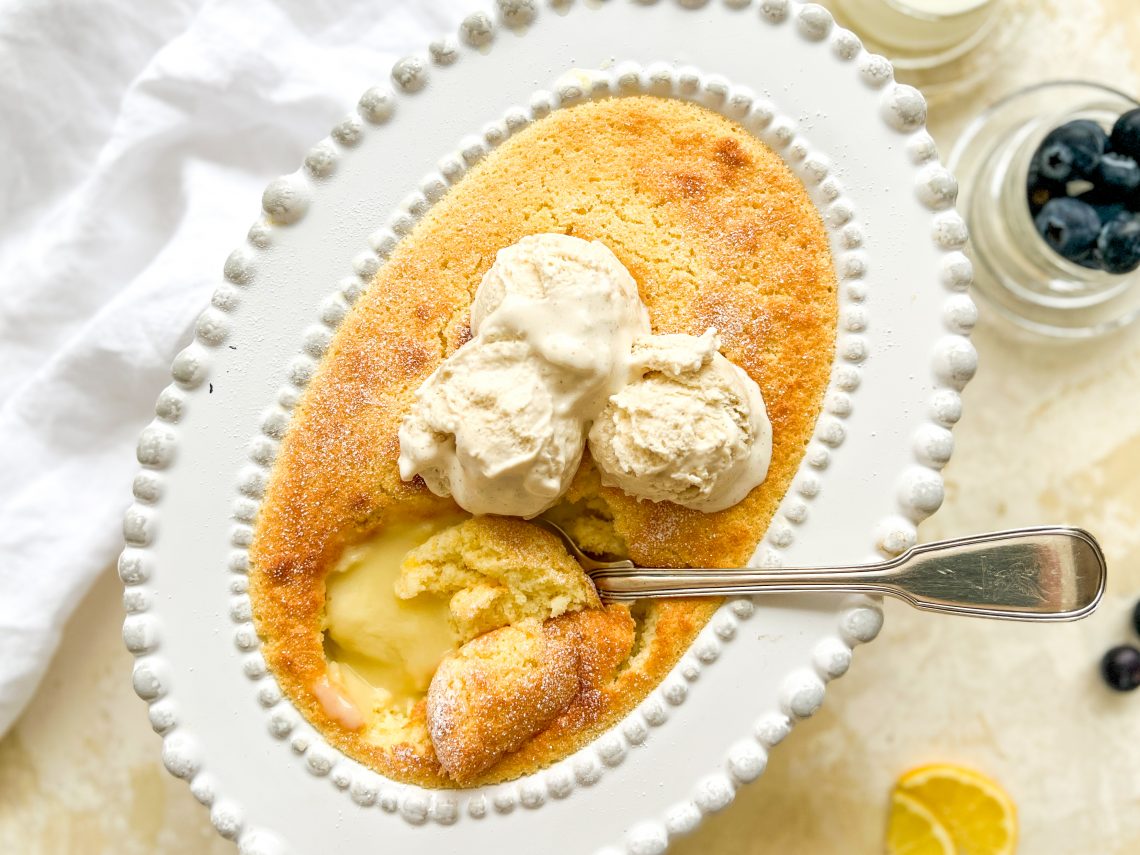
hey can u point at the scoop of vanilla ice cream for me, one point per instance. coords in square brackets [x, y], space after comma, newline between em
[690, 427]
[486, 429]
[574, 303]
[501, 425]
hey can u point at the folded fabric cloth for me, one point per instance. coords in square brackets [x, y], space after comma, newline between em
[138, 138]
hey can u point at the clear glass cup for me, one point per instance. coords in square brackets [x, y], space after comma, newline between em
[1015, 271]
[919, 34]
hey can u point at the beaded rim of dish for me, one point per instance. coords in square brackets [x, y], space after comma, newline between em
[919, 488]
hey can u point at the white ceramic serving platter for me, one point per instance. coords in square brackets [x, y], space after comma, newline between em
[870, 474]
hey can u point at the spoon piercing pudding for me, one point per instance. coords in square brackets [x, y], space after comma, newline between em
[554, 321]
[350, 562]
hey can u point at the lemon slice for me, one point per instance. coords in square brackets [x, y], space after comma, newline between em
[977, 814]
[914, 830]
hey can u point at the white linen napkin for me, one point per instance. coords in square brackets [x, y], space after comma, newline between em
[136, 139]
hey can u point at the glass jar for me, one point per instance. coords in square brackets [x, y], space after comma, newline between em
[1015, 271]
[918, 34]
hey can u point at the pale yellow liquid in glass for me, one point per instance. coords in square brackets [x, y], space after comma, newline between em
[939, 7]
[391, 647]
[918, 25]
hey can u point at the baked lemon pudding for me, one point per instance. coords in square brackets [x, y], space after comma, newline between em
[623, 319]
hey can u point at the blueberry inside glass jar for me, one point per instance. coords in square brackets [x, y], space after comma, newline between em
[1083, 190]
[1053, 203]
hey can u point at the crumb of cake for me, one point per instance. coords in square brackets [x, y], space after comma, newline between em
[496, 571]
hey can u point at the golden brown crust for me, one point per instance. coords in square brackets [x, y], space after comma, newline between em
[470, 726]
[557, 668]
[716, 231]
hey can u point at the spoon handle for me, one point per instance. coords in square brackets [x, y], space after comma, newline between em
[1052, 573]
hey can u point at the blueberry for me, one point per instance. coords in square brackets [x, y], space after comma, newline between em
[1038, 189]
[1118, 245]
[1069, 226]
[1072, 150]
[1056, 160]
[1136, 618]
[1121, 668]
[1109, 212]
[1106, 204]
[1118, 174]
[1126, 134]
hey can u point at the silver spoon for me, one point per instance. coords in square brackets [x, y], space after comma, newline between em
[1051, 573]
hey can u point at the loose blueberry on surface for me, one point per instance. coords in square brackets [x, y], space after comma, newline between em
[1072, 150]
[1070, 227]
[1126, 134]
[1118, 174]
[1136, 618]
[1118, 245]
[1121, 668]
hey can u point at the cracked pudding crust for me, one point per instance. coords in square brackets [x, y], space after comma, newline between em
[716, 231]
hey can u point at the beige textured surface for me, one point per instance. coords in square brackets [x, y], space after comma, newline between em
[1050, 434]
